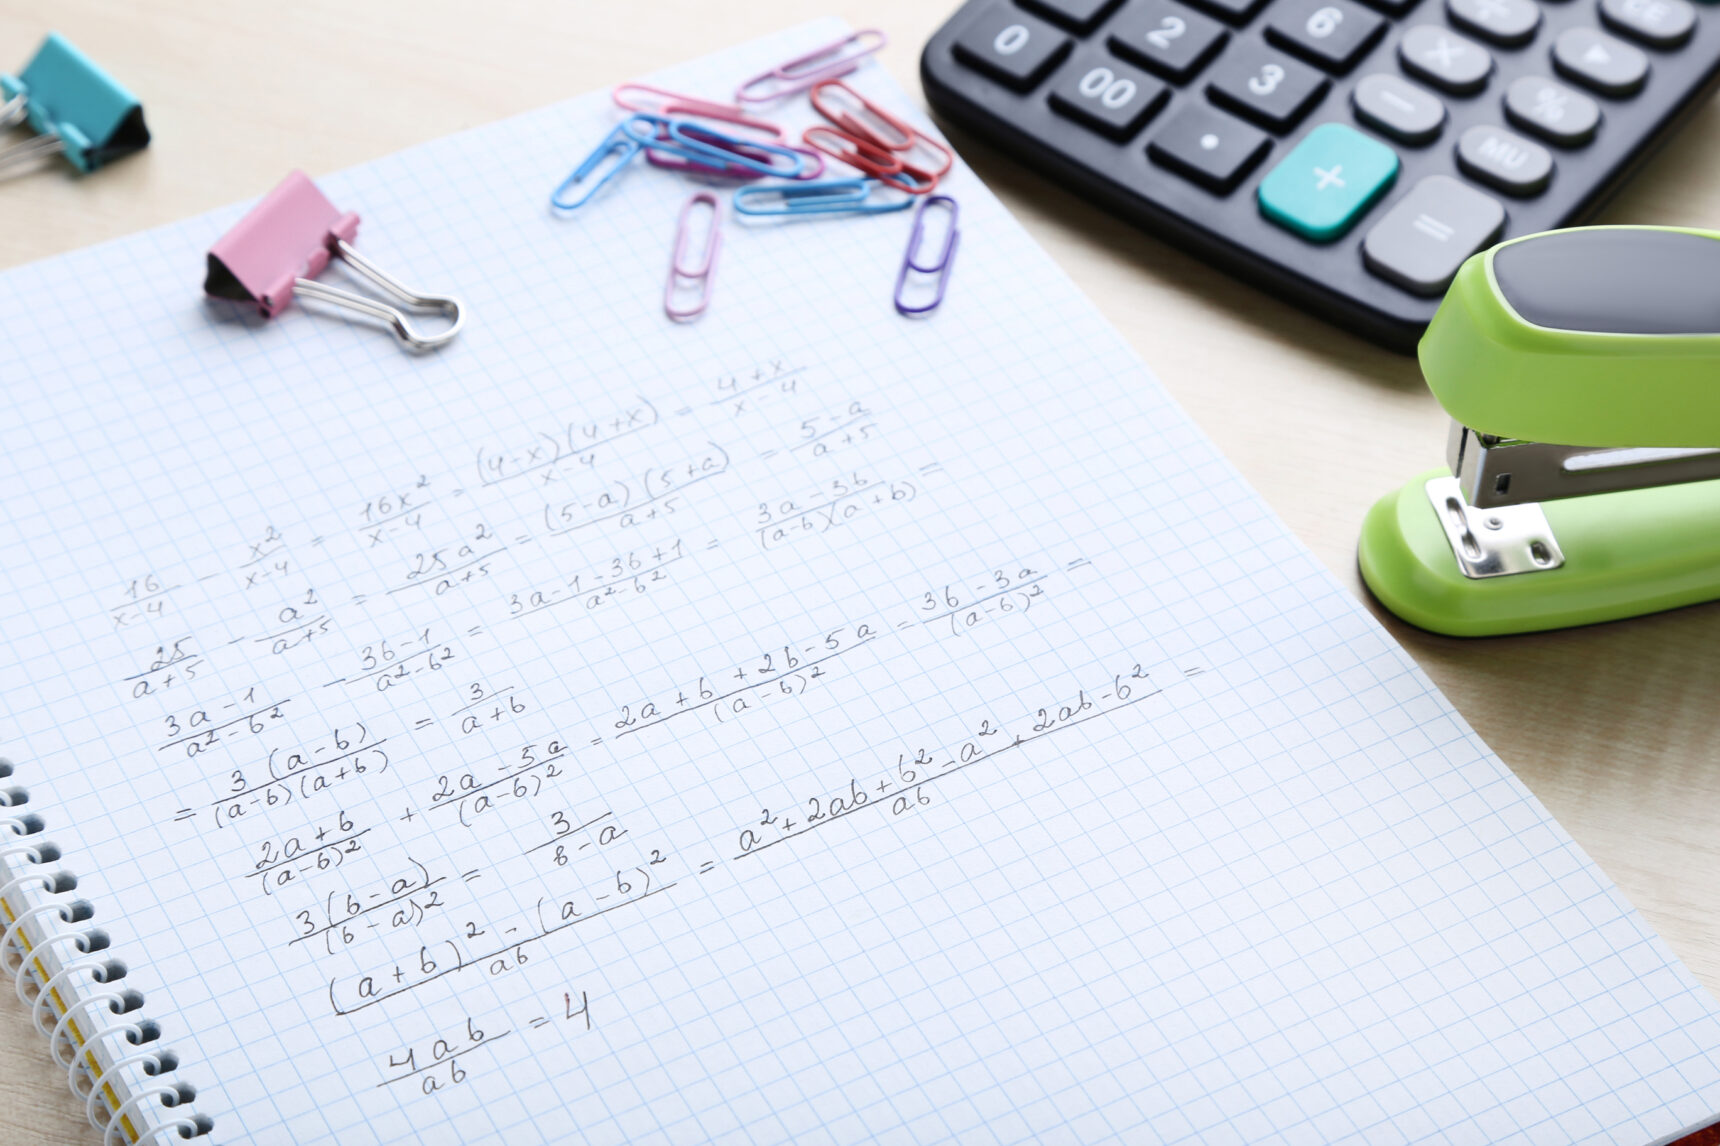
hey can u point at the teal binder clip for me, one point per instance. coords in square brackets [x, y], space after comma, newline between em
[74, 107]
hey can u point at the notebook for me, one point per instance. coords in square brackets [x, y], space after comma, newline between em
[805, 724]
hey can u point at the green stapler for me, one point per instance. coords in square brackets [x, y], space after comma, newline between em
[1605, 336]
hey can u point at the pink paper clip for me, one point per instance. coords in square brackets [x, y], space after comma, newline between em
[829, 62]
[698, 277]
[662, 102]
[275, 250]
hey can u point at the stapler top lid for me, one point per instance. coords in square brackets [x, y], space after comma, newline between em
[1604, 336]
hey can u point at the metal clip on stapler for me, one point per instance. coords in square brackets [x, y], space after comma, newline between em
[1606, 336]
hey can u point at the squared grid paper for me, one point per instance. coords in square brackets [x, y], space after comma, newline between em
[1290, 898]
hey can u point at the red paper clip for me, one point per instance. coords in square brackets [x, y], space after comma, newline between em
[827, 100]
[870, 132]
[886, 166]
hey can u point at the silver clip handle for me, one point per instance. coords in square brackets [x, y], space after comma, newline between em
[449, 307]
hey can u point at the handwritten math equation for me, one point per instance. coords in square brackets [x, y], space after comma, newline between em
[415, 727]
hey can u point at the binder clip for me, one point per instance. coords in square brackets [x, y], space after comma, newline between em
[275, 250]
[1606, 336]
[74, 107]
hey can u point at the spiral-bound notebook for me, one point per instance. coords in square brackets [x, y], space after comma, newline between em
[805, 724]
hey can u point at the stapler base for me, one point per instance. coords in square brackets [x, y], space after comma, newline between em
[1624, 554]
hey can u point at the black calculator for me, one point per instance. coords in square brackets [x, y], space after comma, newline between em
[1345, 156]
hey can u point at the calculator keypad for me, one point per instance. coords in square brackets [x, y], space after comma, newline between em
[1551, 110]
[1396, 107]
[1598, 61]
[1508, 23]
[1445, 59]
[1657, 23]
[1331, 33]
[1347, 153]
[1106, 95]
[1173, 40]
[1504, 160]
[1266, 86]
[1208, 147]
[1080, 16]
[1012, 47]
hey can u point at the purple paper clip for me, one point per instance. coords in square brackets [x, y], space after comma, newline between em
[946, 260]
[272, 253]
[697, 277]
[829, 62]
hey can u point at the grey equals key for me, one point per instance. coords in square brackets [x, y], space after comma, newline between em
[1424, 238]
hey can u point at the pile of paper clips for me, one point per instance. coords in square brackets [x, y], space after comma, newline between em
[726, 141]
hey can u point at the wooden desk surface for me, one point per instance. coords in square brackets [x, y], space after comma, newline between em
[1615, 728]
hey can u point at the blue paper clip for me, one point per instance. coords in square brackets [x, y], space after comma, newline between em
[617, 143]
[832, 197]
[73, 106]
[704, 144]
[941, 268]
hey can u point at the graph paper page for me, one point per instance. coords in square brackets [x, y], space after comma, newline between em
[804, 724]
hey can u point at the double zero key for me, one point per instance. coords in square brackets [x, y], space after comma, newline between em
[1107, 96]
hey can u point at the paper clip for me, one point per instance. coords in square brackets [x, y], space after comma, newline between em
[946, 260]
[617, 144]
[836, 196]
[882, 164]
[706, 145]
[677, 160]
[698, 277]
[826, 63]
[74, 107]
[865, 122]
[662, 102]
[271, 254]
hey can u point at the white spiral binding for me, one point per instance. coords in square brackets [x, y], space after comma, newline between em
[115, 1061]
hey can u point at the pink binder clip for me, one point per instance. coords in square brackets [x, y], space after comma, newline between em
[281, 243]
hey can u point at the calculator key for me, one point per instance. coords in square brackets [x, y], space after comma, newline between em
[1208, 147]
[1657, 23]
[1107, 96]
[1507, 22]
[1600, 62]
[1444, 59]
[1265, 86]
[1011, 47]
[1230, 11]
[1424, 238]
[1331, 33]
[1393, 105]
[1504, 160]
[1393, 8]
[1552, 111]
[1322, 187]
[1174, 41]
[1079, 16]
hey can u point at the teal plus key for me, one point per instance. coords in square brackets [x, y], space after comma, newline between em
[1322, 187]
